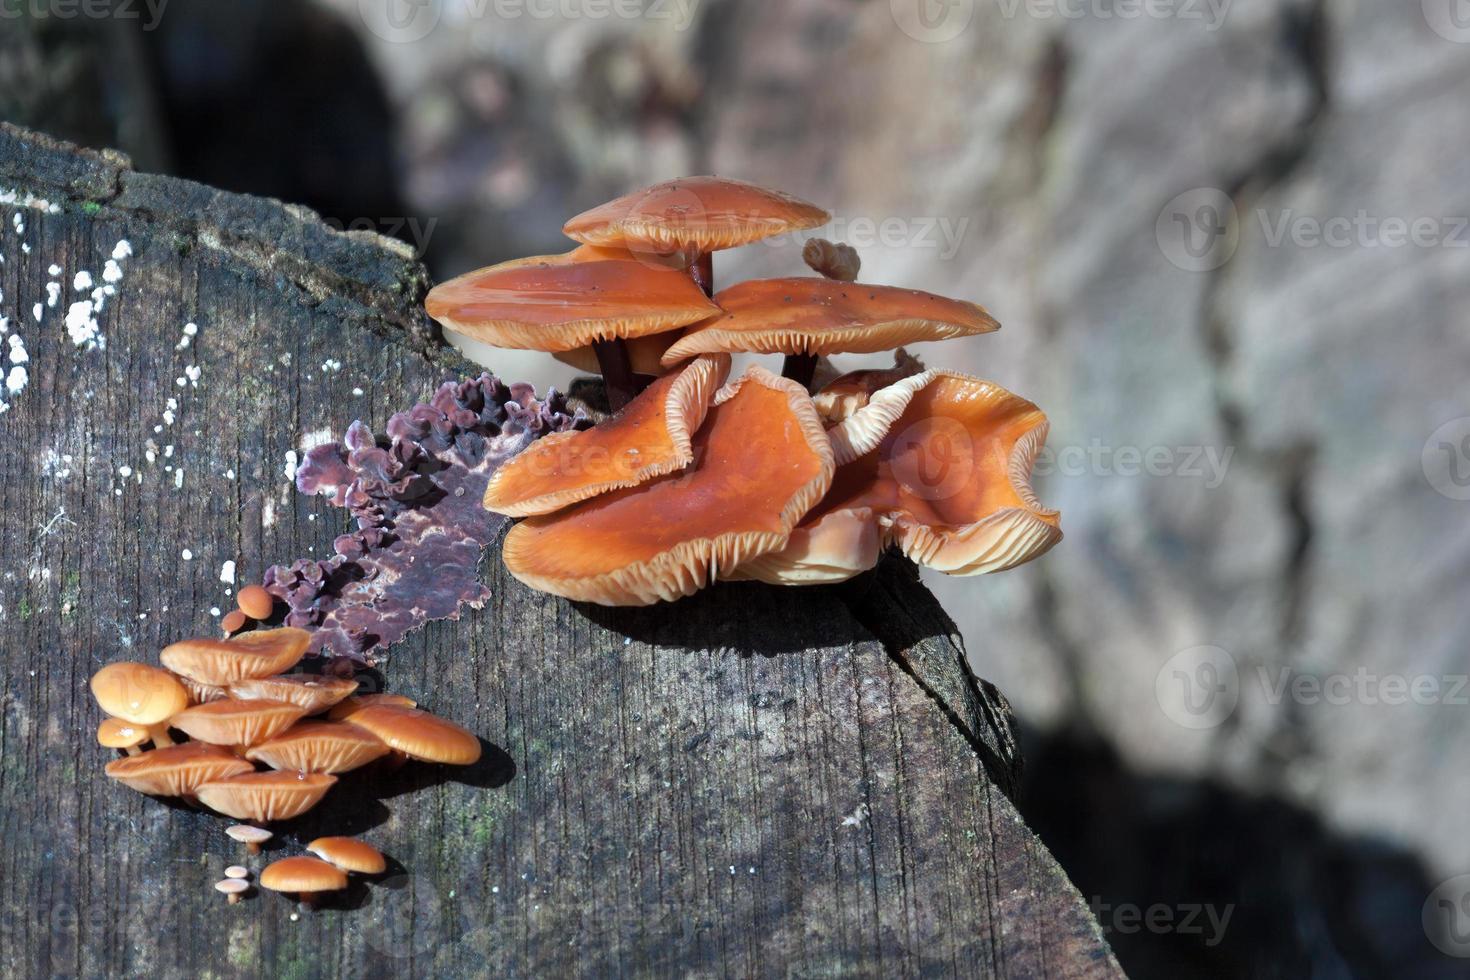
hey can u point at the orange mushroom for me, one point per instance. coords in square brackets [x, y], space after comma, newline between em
[221, 663]
[255, 602]
[942, 461]
[304, 877]
[140, 694]
[265, 796]
[419, 735]
[843, 396]
[648, 438]
[351, 706]
[315, 693]
[178, 770]
[349, 854]
[114, 733]
[807, 317]
[587, 297]
[319, 746]
[762, 460]
[237, 721]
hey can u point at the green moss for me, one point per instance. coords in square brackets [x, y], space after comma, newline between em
[25, 610]
[91, 208]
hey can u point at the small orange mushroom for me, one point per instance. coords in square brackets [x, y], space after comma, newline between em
[419, 735]
[140, 694]
[114, 733]
[349, 854]
[648, 438]
[304, 877]
[807, 317]
[315, 693]
[255, 602]
[762, 460]
[265, 796]
[319, 746]
[178, 770]
[237, 721]
[221, 663]
[351, 706]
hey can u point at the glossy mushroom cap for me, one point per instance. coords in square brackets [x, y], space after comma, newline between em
[565, 302]
[419, 735]
[255, 602]
[233, 887]
[844, 395]
[265, 796]
[694, 215]
[762, 460]
[114, 733]
[349, 854]
[314, 693]
[302, 875]
[246, 834]
[237, 721]
[319, 746]
[139, 693]
[178, 770]
[649, 437]
[349, 707]
[827, 546]
[259, 653]
[823, 316]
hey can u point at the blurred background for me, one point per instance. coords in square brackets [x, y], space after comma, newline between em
[1229, 243]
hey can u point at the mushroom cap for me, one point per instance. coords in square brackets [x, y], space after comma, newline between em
[761, 461]
[296, 875]
[265, 795]
[232, 886]
[644, 354]
[649, 437]
[177, 770]
[563, 302]
[237, 721]
[419, 735]
[350, 706]
[259, 653]
[114, 733]
[203, 693]
[349, 854]
[833, 546]
[139, 693]
[844, 395]
[246, 834]
[945, 459]
[255, 602]
[319, 746]
[824, 316]
[315, 693]
[237, 871]
[694, 215]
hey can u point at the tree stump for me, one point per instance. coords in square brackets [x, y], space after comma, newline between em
[751, 782]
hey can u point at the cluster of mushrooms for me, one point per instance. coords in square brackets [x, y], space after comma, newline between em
[696, 478]
[239, 707]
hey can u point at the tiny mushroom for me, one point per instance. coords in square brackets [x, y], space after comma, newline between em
[251, 837]
[419, 735]
[345, 709]
[587, 297]
[319, 746]
[140, 694]
[232, 887]
[260, 653]
[265, 796]
[304, 877]
[114, 733]
[255, 602]
[806, 317]
[349, 854]
[238, 721]
[762, 460]
[237, 871]
[233, 622]
[178, 770]
[315, 693]
[648, 438]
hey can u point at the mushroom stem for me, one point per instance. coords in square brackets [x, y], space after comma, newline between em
[617, 372]
[703, 271]
[800, 368]
[307, 900]
[158, 734]
[234, 898]
[132, 750]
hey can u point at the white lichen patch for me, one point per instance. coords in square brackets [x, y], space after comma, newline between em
[331, 365]
[15, 381]
[190, 331]
[18, 353]
[310, 440]
[227, 573]
[81, 325]
[53, 294]
[82, 281]
[291, 460]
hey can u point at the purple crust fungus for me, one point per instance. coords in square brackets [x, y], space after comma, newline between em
[421, 527]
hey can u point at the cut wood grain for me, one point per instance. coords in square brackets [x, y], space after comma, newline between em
[751, 782]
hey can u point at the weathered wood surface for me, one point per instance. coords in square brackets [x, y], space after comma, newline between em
[753, 782]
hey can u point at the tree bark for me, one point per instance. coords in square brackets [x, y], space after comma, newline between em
[751, 782]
